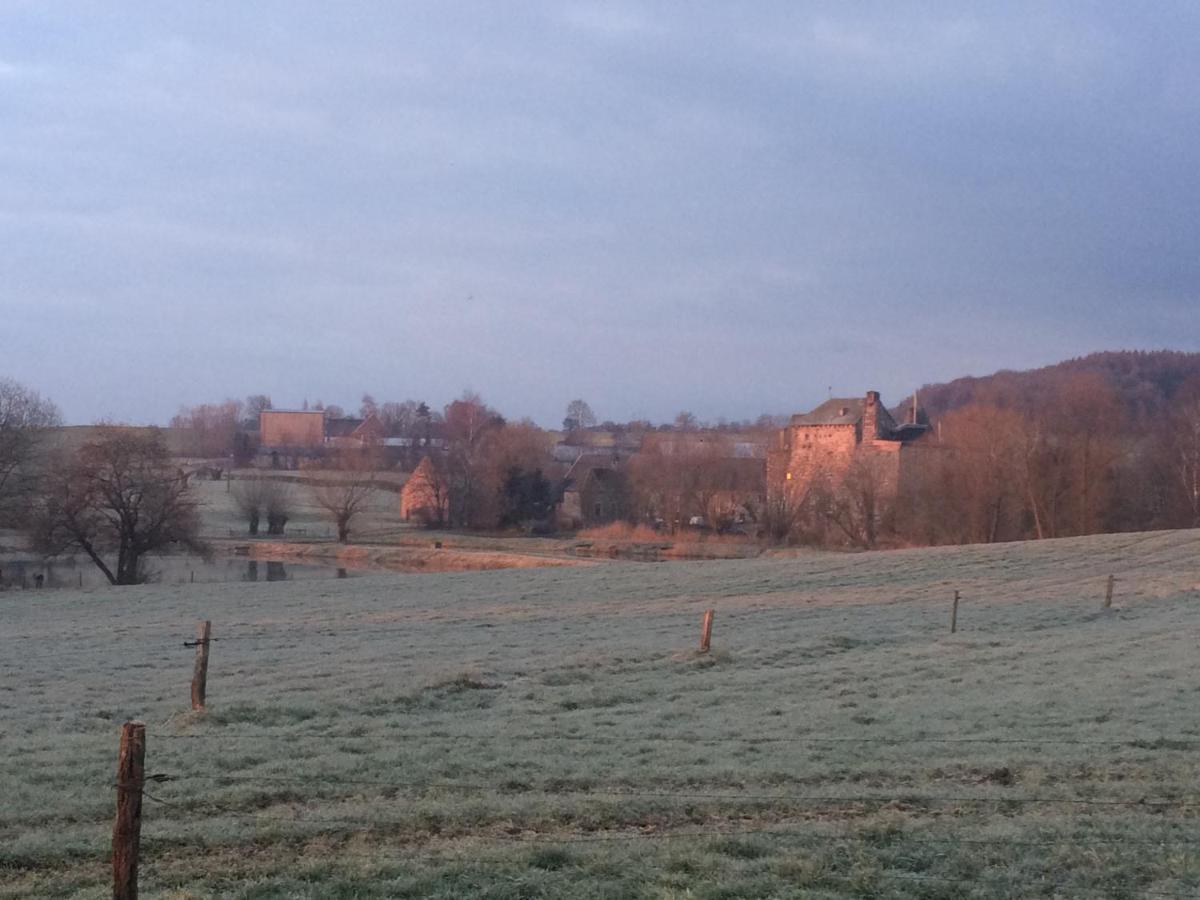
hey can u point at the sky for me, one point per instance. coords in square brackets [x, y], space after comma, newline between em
[729, 208]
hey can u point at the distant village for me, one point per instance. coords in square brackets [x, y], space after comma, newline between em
[687, 477]
[1109, 442]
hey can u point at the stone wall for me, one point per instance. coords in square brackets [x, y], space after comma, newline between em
[805, 452]
[814, 450]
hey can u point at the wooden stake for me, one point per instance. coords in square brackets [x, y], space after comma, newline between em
[127, 828]
[706, 631]
[200, 672]
[954, 614]
[1108, 594]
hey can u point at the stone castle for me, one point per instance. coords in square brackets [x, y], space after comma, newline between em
[826, 443]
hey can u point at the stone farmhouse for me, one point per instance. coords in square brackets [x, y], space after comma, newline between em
[593, 492]
[824, 445]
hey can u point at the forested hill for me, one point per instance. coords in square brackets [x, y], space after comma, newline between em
[1144, 381]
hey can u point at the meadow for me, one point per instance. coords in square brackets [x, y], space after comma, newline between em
[554, 732]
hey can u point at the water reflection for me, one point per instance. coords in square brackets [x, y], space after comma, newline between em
[32, 573]
[276, 571]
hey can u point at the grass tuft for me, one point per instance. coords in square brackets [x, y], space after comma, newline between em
[550, 859]
[740, 848]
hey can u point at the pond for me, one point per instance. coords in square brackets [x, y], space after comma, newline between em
[17, 572]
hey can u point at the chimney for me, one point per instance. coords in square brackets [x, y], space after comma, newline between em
[870, 420]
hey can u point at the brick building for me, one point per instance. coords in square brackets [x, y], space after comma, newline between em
[291, 429]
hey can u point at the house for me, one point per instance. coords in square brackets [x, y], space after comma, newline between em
[291, 429]
[290, 437]
[704, 444]
[616, 444]
[824, 445]
[353, 433]
[594, 492]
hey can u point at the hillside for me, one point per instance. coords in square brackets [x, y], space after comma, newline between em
[1145, 381]
[553, 733]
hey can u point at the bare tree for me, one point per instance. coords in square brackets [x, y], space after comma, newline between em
[349, 490]
[426, 494]
[368, 407]
[781, 515]
[261, 497]
[1183, 449]
[989, 478]
[24, 418]
[686, 421]
[255, 405]
[279, 505]
[660, 486]
[859, 505]
[118, 498]
[399, 418]
[209, 430]
[579, 415]
[470, 423]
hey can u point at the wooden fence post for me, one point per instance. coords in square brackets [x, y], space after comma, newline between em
[127, 827]
[954, 614]
[1108, 594]
[200, 672]
[706, 631]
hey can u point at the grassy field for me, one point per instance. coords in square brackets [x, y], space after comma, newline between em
[222, 520]
[553, 733]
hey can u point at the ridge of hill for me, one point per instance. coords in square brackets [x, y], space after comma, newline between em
[1146, 381]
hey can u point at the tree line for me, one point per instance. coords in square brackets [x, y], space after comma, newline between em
[1070, 458]
[1075, 460]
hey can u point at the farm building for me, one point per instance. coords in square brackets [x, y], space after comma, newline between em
[291, 429]
[348, 432]
[593, 492]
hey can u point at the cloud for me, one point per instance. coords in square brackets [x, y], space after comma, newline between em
[610, 20]
[724, 207]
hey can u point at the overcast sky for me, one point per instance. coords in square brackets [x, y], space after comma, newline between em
[724, 207]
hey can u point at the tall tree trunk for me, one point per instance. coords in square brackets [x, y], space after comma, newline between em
[1037, 515]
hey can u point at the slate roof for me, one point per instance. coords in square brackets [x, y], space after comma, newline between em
[589, 465]
[830, 413]
[849, 411]
[341, 427]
